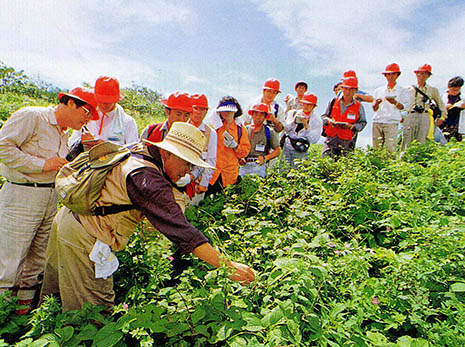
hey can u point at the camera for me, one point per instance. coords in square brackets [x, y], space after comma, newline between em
[418, 109]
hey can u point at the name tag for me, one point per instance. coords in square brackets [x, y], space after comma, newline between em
[351, 116]
[260, 148]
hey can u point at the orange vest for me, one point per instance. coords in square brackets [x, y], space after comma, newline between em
[350, 115]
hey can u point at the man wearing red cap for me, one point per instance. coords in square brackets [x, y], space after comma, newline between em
[197, 180]
[264, 143]
[390, 100]
[417, 121]
[301, 127]
[178, 108]
[293, 102]
[343, 117]
[114, 124]
[277, 114]
[33, 147]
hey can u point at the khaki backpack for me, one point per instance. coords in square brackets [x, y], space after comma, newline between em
[79, 183]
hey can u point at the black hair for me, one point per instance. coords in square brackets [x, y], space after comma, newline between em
[455, 82]
[336, 85]
[302, 84]
[232, 99]
[65, 98]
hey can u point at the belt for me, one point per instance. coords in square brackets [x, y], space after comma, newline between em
[251, 159]
[35, 185]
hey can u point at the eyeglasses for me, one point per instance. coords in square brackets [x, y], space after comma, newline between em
[87, 111]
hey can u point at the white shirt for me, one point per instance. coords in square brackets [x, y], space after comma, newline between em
[387, 112]
[312, 134]
[118, 127]
[209, 156]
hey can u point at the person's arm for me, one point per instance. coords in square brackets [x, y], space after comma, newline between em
[152, 194]
[131, 133]
[314, 129]
[361, 122]
[326, 117]
[243, 147]
[16, 131]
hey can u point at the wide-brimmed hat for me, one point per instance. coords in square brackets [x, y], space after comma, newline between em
[227, 106]
[85, 95]
[424, 68]
[107, 90]
[185, 141]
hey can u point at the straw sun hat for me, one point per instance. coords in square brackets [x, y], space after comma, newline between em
[185, 141]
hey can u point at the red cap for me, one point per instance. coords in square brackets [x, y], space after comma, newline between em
[260, 108]
[272, 84]
[86, 95]
[350, 82]
[178, 101]
[350, 73]
[309, 99]
[391, 68]
[424, 68]
[199, 100]
[107, 90]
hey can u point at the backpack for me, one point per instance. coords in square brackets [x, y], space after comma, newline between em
[268, 137]
[79, 183]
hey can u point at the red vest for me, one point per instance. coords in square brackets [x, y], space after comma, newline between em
[351, 116]
[155, 132]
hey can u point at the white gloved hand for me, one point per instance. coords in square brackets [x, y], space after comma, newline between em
[184, 181]
[105, 260]
[231, 143]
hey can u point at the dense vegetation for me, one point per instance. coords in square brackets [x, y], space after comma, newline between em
[360, 251]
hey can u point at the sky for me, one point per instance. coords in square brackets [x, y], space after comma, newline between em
[231, 47]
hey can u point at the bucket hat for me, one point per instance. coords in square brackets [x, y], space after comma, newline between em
[178, 101]
[309, 99]
[85, 95]
[107, 90]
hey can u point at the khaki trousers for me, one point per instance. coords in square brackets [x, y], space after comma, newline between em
[385, 134]
[26, 215]
[68, 270]
[416, 127]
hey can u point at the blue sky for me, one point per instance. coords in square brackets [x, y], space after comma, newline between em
[220, 48]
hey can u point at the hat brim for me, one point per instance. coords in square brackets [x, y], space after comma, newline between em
[227, 108]
[108, 99]
[93, 111]
[186, 155]
[415, 71]
[276, 90]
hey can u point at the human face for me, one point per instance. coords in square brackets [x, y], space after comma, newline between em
[348, 92]
[227, 116]
[78, 115]
[391, 78]
[106, 107]
[174, 166]
[269, 95]
[307, 108]
[258, 117]
[300, 89]
[198, 114]
[453, 90]
[176, 116]
[422, 76]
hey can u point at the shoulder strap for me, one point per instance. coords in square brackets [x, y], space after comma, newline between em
[152, 129]
[268, 139]
[276, 109]
[239, 132]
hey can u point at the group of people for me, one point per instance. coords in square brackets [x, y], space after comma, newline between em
[173, 163]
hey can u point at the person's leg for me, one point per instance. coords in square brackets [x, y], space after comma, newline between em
[377, 135]
[423, 128]
[76, 272]
[408, 132]
[390, 138]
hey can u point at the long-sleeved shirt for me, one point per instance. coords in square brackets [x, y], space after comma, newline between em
[293, 130]
[418, 99]
[27, 139]
[117, 127]
[151, 192]
[209, 156]
[359, 125]
[227, 159]
[387, 112]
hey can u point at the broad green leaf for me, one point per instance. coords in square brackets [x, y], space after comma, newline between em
[198, 314]
[458, 287]
[108, 336]
[88, 332]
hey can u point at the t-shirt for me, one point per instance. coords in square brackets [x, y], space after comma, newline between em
[258, 141]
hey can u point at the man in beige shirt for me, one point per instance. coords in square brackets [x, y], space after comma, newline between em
[33, 146]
